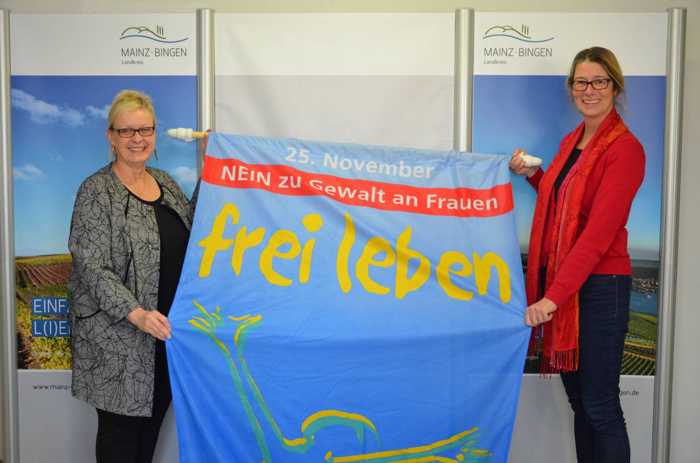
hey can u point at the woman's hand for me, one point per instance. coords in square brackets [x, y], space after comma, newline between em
[517, 164]
[152, 322]
[540, 312]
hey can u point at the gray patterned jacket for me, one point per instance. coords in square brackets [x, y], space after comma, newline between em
[115, 245]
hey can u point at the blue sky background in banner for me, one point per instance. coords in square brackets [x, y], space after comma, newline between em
[503, 122]
[58, 135]
[422, 368]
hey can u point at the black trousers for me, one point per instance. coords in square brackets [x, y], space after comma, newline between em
[133, 439]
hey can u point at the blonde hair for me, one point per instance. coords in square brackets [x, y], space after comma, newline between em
[607, 60]
[130, 100]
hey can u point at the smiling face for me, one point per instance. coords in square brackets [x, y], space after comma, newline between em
[135, 150]
[593, 104]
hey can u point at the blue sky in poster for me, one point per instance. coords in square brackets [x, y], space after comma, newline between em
[58, 139]
[535, 112]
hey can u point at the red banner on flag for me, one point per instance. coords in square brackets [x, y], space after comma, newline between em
[286, 180]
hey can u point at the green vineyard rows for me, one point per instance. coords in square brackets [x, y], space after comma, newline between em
[639, 357]
[43, 353]
[634, 365]
[642, 326]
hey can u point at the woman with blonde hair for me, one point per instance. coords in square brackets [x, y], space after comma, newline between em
[128, 237]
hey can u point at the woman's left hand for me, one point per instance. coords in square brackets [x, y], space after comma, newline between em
[540, 312]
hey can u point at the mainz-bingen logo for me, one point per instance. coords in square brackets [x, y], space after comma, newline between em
[144, 32]
[144, 52]
[512, 33]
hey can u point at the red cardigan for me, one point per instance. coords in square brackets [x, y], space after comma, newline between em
[601, 245]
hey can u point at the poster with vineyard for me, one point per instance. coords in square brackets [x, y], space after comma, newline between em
[43, 328]
[58, 139]
[537, 124]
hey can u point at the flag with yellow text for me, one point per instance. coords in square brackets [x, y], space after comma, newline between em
[348, 303]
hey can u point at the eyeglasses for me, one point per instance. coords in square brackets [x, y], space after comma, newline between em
[580, 85]
[128, 132]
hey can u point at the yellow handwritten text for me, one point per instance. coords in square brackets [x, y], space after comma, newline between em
[410, 268]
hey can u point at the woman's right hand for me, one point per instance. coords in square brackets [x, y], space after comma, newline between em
[517, 164]
[152, 322]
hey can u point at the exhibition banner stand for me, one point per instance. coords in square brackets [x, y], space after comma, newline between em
[372, 78]
[521, 61]
[65, 71]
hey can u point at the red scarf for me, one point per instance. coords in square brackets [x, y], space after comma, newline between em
[558, 339]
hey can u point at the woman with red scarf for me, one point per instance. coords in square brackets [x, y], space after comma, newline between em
[579, 271]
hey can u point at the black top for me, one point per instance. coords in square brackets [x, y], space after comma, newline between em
[173, 245]
[573, 157]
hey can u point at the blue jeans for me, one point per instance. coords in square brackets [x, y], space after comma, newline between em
[594, 390]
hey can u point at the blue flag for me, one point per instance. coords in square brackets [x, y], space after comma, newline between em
[348, 303]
